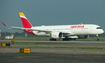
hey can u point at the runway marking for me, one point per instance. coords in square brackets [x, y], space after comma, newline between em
[27, 56]
[10, 49]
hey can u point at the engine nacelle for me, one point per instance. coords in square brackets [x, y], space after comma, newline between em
[83, 36]
[56, 35]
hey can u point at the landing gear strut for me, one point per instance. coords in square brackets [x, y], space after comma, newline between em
[66, 39]
[97, 38]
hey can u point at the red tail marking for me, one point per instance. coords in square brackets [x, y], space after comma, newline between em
[28, 31]
[26, 23]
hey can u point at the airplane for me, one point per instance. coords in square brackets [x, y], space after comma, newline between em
[65, 32]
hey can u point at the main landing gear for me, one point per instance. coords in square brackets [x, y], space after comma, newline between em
[52, 39]
[97, 37]
[68, 39]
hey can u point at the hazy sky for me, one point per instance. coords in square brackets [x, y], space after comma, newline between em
[52, 12]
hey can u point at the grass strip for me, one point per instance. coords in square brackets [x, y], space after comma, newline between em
[25, 43]
[51, 47]
[21, 42]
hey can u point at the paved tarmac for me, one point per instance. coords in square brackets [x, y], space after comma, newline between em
[50, 58]
[54, 55]
[99, 44]
[54, 41]
[51, 44]
[55, 50]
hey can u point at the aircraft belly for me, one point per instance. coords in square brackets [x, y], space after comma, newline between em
[41, 33]
[80, 32]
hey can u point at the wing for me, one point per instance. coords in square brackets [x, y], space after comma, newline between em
[25, 29]
[39, 30]
[12, 27]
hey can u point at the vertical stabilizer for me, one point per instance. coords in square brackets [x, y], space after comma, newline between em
[26, 23]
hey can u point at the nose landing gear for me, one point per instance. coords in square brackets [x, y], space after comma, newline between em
[97, 37]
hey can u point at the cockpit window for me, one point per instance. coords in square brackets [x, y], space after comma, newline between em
[98, 28]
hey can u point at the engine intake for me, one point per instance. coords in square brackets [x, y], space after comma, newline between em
[56, 35]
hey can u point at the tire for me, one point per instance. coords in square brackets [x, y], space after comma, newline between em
[97, 39]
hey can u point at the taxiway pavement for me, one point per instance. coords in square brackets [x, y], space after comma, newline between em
[50, 58]
[54, 55]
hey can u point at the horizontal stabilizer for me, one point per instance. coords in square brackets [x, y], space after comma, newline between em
[3, 23]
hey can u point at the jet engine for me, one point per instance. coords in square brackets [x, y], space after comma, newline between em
[56, 35]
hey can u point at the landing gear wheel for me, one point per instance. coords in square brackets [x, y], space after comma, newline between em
[97, 39]
[74, 39]
[52, 39]
[65, 39]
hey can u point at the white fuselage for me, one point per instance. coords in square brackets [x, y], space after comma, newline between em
[85, 29]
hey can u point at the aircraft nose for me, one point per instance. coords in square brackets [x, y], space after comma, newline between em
[102, 31]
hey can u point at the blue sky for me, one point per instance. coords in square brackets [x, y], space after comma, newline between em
[52, 12]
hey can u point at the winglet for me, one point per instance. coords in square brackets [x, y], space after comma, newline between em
[3, 23]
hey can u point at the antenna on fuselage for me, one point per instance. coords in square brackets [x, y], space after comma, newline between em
[81, 24]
